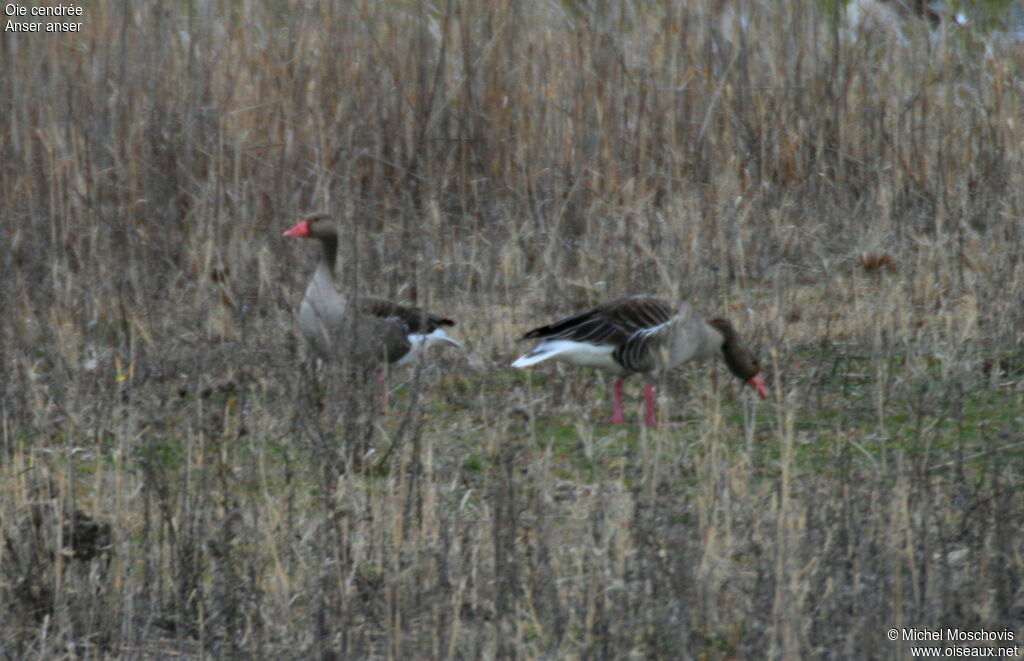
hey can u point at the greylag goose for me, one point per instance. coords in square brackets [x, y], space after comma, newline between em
[373, 329]
[640, 334]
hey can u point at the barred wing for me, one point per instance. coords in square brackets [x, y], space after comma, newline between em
[612, 323]
[662, 346]
[411, 319]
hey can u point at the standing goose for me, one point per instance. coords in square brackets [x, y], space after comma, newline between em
[372, 328]
[641, 334]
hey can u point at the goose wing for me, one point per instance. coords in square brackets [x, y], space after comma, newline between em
[412, 320]
[664, 345]
[609, 323]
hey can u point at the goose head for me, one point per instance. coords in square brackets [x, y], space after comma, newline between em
[738, 358]
[317, 226]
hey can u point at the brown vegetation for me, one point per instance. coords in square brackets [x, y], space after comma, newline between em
[174, 479]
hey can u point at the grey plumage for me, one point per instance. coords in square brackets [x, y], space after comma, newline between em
[370, 329]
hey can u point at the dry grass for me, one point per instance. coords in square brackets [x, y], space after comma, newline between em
[850, 196]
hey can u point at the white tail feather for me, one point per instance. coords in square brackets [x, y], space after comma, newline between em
[419, 342]
[440, 337]
[577, 353]
[532, 358]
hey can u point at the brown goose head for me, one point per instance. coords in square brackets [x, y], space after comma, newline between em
[317, 226]
[738, 358]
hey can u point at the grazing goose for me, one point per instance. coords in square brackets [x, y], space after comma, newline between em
[374, 329]
[641, 334]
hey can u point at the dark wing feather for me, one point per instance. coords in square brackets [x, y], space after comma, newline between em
[609, 323]
[412, 320]
[649, 349]
[639, 353]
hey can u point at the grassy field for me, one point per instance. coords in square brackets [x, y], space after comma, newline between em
[177, 480]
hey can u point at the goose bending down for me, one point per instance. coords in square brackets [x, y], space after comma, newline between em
[373, 329]
[641, 334]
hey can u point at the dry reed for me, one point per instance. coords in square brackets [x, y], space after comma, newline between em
[849, 194]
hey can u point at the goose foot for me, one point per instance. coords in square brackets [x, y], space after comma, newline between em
[651, 415]
[617, 417]
[382, 381]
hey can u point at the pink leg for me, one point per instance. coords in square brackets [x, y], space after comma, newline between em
[617, 418]
[652, 410]
[382, 380]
